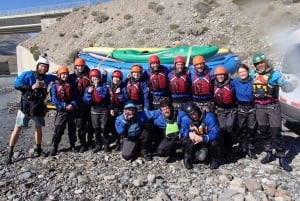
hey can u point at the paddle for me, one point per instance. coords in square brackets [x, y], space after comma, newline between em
[188, 57]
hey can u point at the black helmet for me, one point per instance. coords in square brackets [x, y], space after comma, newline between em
[189, 108]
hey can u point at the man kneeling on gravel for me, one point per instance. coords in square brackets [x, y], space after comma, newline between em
[131, 126]
[205, 142]
[33, 85]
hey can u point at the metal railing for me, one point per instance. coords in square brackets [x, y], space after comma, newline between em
[41, 9]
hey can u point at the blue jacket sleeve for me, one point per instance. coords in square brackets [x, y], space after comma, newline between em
[121, 124]
[212, 127]
[24, 81]
[54, 100]
[146, 95]
[87, 97]
[184, 124]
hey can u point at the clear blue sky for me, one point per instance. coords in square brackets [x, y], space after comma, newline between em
[20, 4]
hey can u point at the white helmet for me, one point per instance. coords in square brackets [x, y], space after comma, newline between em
[42, 60]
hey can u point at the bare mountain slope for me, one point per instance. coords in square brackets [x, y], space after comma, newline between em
[244, 29]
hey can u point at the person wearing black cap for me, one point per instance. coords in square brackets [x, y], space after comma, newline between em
[131, 126]
[204, 137]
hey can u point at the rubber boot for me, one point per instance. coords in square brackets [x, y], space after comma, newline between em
[38, 151]
[9, 155]
[53, 150]
[98, 139]
[268, 158]
[118, 145]
[214, 164]
[283, 163]
[251, 154]
[187, 163]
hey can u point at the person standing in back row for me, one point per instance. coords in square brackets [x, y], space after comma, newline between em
[226, 108]
[202, 85]
[33, 85]
[158, 82]
[64, 96]
[117, 92]
[179, 83]
[243, 85]
[137, 88]
[81, 80]
[266, 83]
[97, 95]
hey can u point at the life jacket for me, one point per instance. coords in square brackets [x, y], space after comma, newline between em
[64, 92]
[172, 128]
[261, 89]
[134, 90]
[82, 83]
[96, 98]
[158, 81]
[223, 95]
[178, 84]
[202, 86]
[114, 98]
[39, 94]
[200, 127]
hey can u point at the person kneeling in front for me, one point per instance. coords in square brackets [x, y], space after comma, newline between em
[204, 138]
[131, 127]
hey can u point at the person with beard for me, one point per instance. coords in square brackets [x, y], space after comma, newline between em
[173, 128]
[81, 80]
[131, 126]
[204, 142]
[202, 80]
[179, 83]
[226, 108]
[64, 96]
[158, 82]
[137, 88]
[243, 85]
[97, 95]
[117, 93]
[33, 86]
[266, 83]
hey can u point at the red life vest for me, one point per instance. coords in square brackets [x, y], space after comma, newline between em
[114, 98]
[223, 95]
[158, 81]
[82, 83]
[179, 84]
[64, 92]
[202, 85]
[96, 98]
[134, 90]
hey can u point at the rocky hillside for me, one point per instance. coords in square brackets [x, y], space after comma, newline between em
[243, 26]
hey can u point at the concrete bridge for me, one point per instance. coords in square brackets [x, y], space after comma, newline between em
[35, 19]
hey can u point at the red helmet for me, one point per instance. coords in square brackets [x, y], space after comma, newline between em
[94, 72]
[153, 59]
[179, 59]
[117, 73]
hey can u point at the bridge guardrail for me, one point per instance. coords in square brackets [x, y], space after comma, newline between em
[40, 9]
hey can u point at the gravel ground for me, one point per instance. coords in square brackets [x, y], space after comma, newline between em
[102, 176]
